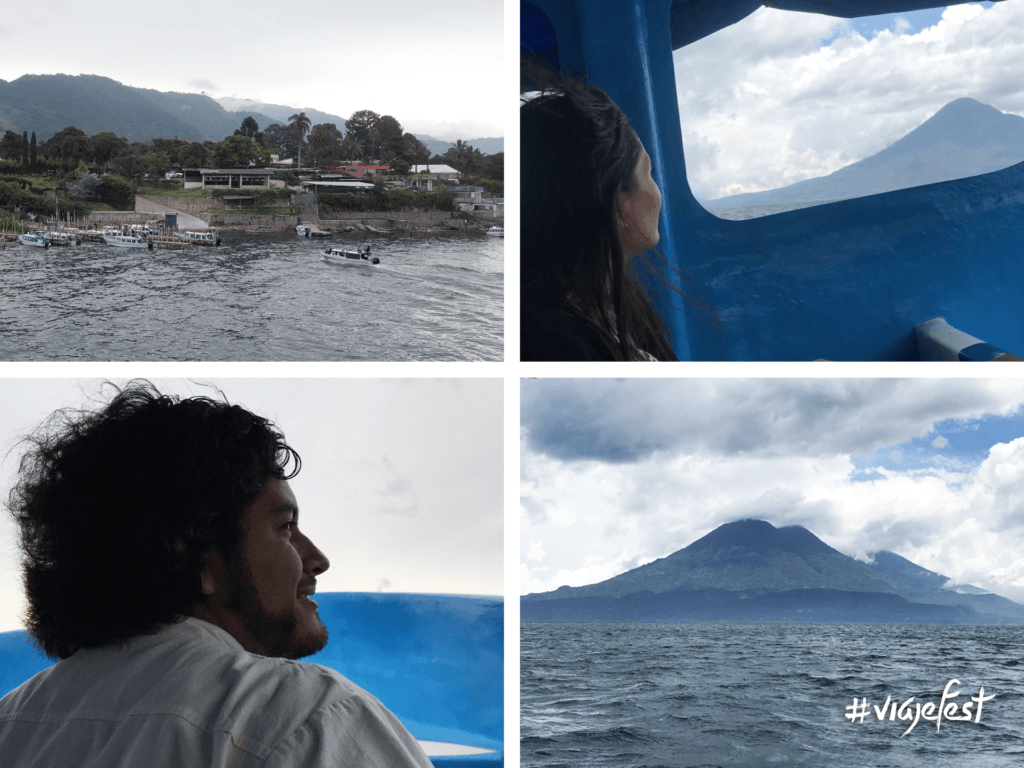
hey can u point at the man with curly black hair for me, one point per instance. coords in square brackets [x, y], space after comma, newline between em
[164, 567]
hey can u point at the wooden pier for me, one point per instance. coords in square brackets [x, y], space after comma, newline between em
[68, 232]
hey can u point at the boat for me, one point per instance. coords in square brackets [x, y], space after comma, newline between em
[349, 258]
[127, 241]
[59, 237]
[309, 229]
[35, 239]
[850, 280]
[206, 237]
[496, 231]
[449, 687]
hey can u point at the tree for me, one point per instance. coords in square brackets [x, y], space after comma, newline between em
[494, 166]
[156, 163]
[106, 145]
[464, 158]
[32, 150]
[325, 140]
[299, 124]
[249, 128]
[129, 164]
[70, 145]
[193, 155]
[24, 150]
[10, 145]
[85, 187]
[416, 152]
[277, 137]
[352, 148]
[238, 152]
[117, 192]
[391, 138]
[362, 126]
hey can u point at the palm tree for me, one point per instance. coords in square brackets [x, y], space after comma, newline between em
[352, 147]
[299, 124]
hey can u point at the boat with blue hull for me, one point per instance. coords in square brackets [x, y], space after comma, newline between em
[436, 661]
[34, 239]
[858, 279]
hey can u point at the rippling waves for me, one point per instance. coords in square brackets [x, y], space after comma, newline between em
[255, 298]
[647, 695]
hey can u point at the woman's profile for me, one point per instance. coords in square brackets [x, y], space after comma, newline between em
[589, 206]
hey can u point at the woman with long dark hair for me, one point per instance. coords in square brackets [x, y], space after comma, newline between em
[589, 206]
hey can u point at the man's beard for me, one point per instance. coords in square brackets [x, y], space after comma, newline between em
[277, 633]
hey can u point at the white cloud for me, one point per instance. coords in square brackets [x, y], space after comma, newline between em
[763, 106]
[420, 61]
[940, 442]
[962, 519]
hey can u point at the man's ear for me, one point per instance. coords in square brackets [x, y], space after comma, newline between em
[214, 572]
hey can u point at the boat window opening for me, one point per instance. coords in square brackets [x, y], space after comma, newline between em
[786, 110]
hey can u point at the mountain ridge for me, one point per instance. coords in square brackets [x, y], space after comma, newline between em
[964, 138]
[758, 570]
[46, 104]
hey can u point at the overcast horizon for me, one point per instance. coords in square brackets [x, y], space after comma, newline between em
[438, 73]
[618, 473]
[401, 483]
[783, 96]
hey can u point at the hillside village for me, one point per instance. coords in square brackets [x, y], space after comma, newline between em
[274, 175]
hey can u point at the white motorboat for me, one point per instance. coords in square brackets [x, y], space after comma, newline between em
[207, 237]
[127, 241]
[349, 258]
[309, 229]
[61, 237]
[36, 239]
[496, 231]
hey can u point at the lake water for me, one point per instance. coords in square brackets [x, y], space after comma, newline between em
[739, 213]
[256, 298]
[706, 694]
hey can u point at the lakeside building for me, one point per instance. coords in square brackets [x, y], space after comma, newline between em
[442, 172]
[227, 178]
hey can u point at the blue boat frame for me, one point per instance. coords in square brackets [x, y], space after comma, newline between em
[436, 661]
[845, 281]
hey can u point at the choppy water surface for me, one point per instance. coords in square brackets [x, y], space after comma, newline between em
[741, 212]
[631, 695]
[255, 298]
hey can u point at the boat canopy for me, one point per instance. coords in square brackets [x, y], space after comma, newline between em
[691, 20]
[849, 280]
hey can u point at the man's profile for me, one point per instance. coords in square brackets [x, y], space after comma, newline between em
[164, 567]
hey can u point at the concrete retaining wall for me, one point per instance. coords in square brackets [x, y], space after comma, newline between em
[243, 221]
[118, 217]
[197, 206]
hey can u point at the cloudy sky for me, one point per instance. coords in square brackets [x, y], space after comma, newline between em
[434, 65]
[401, 481]
[781, 96]
[617, 473]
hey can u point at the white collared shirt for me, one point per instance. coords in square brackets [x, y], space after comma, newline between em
[190, 695]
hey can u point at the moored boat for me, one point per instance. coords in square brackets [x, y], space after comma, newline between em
[35, 239]
[60, 237]
[309, 229]
[207, 237]
[496, 231]
[349, 258]
[127, 241]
